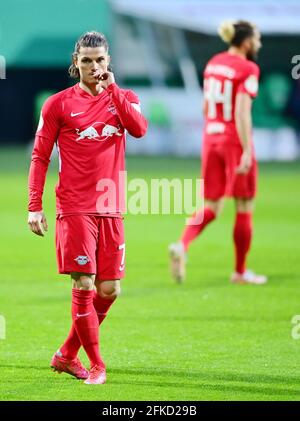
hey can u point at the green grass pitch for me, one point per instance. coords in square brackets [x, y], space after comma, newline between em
[204, 340]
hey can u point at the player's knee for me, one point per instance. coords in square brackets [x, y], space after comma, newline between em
[216, 206]
[109, 289]
[112, 293]
[218, 211]
[244, 205]
[83, 281]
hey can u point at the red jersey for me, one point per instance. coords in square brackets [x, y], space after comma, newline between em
[224, 76]
[90, 133]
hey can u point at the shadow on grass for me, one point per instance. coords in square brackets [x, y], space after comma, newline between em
[184, 374]
[218, 387]
[209, 375]
[264, 384]
[256, 383]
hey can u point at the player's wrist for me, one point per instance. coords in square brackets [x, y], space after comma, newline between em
[247, 151]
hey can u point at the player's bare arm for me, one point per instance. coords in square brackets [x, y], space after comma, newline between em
[243, 123]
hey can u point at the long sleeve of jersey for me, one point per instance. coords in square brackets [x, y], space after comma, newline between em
[45, 138]
[130, 116]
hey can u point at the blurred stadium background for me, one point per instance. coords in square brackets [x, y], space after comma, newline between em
[159, 48]
[205, 339]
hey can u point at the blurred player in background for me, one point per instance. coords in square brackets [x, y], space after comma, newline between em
[229, 166]
[88, 123]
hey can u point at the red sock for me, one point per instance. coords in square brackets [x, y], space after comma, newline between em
[85, 321]
[242, 235]
[102, 305]
[196, 225]
[72, 344]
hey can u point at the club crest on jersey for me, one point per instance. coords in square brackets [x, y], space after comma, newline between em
[99, 131]
[82, 260]
[112, 109]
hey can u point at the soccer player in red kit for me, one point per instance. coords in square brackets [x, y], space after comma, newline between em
[229, 166]
[88, 124]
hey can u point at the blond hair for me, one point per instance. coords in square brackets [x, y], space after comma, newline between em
[234, 33]
[226, 31]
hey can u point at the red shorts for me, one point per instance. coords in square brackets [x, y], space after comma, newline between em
[90, 244]
[219, 162]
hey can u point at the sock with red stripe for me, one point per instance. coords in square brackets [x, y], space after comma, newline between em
[242, 235]
[196, 225]
[102, 305]
[85, 322]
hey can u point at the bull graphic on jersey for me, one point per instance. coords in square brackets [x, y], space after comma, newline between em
[100, 133]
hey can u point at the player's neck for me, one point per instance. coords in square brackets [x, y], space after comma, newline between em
[91, 89]
[237, 52]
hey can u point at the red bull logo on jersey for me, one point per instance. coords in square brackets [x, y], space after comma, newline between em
[99, 131]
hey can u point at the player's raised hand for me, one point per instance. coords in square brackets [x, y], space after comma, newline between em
[245, 163]
[106, 79]
[37, 223]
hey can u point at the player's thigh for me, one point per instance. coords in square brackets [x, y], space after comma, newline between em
[111, 249]
[76, 243]
[213, 172]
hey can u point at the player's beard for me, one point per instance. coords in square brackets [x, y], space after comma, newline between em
[252, 55]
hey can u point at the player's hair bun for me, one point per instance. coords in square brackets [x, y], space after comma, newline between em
[226, 31]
